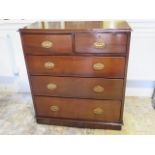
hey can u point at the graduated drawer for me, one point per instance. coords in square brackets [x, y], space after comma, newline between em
[84, 109]
[112, 67]
[100, 42]
[45, 44]
[98, 88]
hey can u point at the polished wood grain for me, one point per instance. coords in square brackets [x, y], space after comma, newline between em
[77, 87]
[61, 44]
[82, 66]
[125, 78]
[113, 42]
[77, 26]
[84, 62]
[78, 109]
[79, 123]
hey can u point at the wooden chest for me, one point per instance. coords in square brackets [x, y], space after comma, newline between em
[77, 71]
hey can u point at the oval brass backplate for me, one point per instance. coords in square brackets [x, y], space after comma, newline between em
[98, 66]
[98, 89]
[99, 44]
[98, 111]
[51, 86]
[49, 65]
[54, 108]
[47, 44]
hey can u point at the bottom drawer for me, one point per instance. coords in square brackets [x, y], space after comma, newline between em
[83, 109]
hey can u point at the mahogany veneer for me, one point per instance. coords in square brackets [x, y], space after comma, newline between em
[79, 109]
[77, 71]
[61, 44]
[78, 87]
[114, 42]
[81, 66]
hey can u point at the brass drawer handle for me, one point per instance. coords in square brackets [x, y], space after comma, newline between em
[51, 86]
[99, 44]
[98, 66]
[54, 108]
[49, 65]
[47, 44]
[98, 111]
[98, 89]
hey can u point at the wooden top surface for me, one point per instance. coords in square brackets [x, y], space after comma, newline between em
[70, 26]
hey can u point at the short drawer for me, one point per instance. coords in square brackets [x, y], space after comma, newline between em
[84, 109]
[112, 67]
[98, 88]
[47, 44]
[100, 42]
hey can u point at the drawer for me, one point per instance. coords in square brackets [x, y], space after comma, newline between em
[98, 88]
[112, 67]
[47, 44]
[100, 42]
[84, 109]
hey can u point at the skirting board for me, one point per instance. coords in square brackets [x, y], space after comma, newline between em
[139, 92]
[140, 88]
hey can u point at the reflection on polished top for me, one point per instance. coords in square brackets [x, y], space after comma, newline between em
[79, 25]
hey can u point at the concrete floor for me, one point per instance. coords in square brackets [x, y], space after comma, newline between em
[17, 117]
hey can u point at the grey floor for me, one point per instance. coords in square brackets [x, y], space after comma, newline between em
[17, 117]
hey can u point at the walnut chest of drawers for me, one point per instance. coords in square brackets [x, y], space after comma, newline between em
[77, 71]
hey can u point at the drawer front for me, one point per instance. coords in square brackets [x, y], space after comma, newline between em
[47, 44]
[112, 67]
[98, 88]
[84, 109]
[100, 42]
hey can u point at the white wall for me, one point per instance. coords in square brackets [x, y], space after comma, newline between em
[142, 51]
[6, 58]
[13, 75]
[141, 70]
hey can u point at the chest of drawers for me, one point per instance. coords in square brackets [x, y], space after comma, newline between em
[77, 71]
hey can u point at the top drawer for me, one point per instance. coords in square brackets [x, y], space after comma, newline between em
[100, 42]
[43, 44]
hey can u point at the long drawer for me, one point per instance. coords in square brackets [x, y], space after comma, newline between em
[98, 88]
[111, 67]
[85, 109]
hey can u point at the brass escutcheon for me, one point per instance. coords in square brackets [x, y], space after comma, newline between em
[98, 66]
[54, 108]
[98, 111]
[51, 86]
[99, 44]
[98, 89]
[46, 44]
[49, 65]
